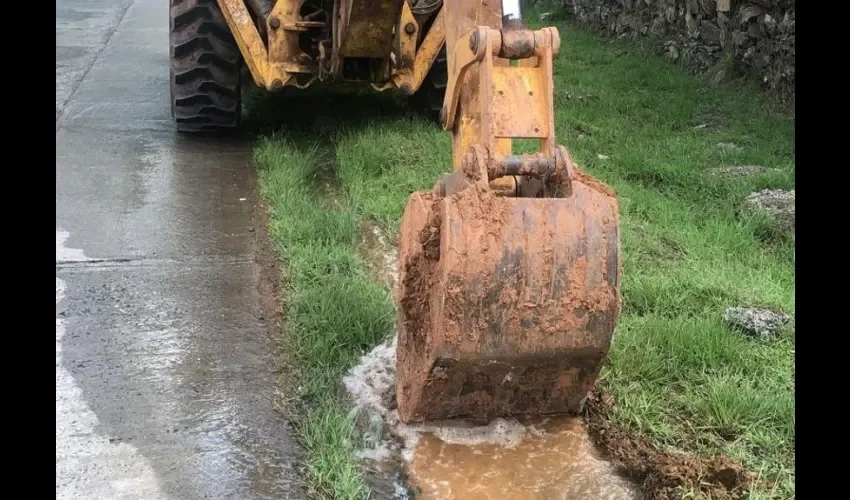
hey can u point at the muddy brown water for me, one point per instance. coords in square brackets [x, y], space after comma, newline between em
[507, 459]
[546, 459]
[554, 461]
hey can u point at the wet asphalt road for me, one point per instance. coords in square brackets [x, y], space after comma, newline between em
[164, 380]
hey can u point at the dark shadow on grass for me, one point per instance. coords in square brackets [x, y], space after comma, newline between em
[320, 112]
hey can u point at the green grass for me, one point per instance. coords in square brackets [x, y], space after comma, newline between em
[334, 310]
[677, 373]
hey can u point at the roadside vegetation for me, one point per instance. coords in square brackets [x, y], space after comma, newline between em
[677, 373]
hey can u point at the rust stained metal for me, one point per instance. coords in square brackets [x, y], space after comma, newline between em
[535, 165]
[516, 88]
[555, 171]
[510, 268]
[507, 186]
[429, 48]
[516, 44]
[414, 74]
[463, 16]
[283, 61]
[469, 50]
[286, 58]
[525, 295]
[407, 33]
[550, 175]
[247, 38]
[492, 121]
[360, 31]
[367, 27]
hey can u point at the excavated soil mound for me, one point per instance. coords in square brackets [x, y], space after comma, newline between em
[663, 475]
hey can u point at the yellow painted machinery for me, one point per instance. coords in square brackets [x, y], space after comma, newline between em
[509, 269]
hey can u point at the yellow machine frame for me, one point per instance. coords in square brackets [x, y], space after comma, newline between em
[281, 64]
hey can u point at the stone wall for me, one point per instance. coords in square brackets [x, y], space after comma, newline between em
[725, 38]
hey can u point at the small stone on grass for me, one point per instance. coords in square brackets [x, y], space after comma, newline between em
[756, 322]
[738, 170]
[778, 203]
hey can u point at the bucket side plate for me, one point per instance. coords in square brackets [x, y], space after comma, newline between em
[511, 309]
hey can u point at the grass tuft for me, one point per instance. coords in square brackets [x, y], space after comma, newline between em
[334, 311]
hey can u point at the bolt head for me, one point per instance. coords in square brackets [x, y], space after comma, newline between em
[409, 28]
[405, 88]
[277, 84]
[274, 23]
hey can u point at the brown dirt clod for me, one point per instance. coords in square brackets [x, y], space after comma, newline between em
[429, 238]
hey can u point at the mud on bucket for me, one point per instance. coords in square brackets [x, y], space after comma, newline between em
[507, 306]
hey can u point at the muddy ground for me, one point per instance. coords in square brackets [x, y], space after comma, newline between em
[272, 299]
[662, 475]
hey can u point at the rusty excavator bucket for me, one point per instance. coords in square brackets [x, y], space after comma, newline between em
[509, 277]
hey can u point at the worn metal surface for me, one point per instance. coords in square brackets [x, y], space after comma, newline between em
[261, 8]
[469, 50]
[368, 27]
[516, 44]
[503, 89]
[407, 34]
[248, 38]
[537, 165]
[303, 44]
[486, 114]
[164, 363]
[508, 289]
[508, 304]
[279, 62]
[461, 18]
[287, 59]
[412, 75]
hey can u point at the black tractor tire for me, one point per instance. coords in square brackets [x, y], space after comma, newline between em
[429, 98]
[205, 69]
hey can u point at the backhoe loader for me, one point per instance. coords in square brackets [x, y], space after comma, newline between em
[509, 268]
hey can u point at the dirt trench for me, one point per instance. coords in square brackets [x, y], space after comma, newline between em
[662, 475]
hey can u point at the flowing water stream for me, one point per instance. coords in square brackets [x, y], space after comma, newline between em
[507, 459]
